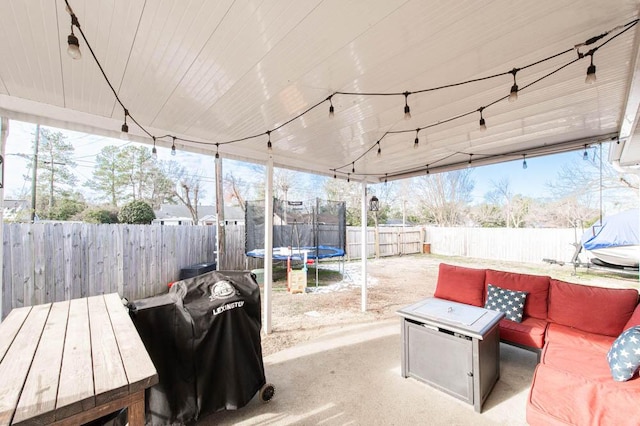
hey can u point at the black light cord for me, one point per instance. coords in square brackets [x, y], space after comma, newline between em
[626, 27]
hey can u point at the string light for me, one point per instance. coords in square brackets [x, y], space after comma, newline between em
[73, 45]
[416, 142]
[469, 163]
[407, 110]
[591, 71]
[348, 177]
[269, 144]
[379, 150]
[585, 156]
[217, 153]
[353, 167]
[513, 95]
[427, 169]
[524, 161]
[154, 151]
[590, 78]
[124, 130]
[483, 124]
[173, 146]
[385, 179]
[335, 176]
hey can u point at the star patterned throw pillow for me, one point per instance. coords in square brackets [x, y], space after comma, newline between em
[624, 355]
[510, 302]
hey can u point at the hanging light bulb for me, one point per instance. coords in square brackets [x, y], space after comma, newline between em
[335, 176]
[348, 178]
[524, 161]
[269, 144]
[379, 150]
[427, 169]
[73, 46]
[469, 163]
[585, 156]
[416, 141]
[483, 125]
[173, 146]
[124, 130]
[154, 151]
[513, 95]
[407, 110]
[591, 72]
[353, 167]
[385, 179]
[217, 148]
[331, 110]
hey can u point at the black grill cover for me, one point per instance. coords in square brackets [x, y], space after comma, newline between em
[204, 339]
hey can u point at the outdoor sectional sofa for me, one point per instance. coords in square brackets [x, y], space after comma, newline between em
[572, 327]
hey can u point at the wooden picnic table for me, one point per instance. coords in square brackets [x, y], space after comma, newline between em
[67, 363]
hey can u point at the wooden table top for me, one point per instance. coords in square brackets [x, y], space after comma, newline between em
[59, 359]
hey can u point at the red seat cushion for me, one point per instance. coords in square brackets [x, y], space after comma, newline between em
[594, 309]
[559, 397]
[460, 284]
[578, 352]
[536, 285]
[529, 332]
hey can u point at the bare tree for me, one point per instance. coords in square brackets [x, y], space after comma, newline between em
[514, 207]
[444, 196]
[235, 187]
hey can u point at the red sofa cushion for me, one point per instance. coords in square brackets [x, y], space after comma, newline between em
[536, 285]
[594, 309]
[559, 397]
[635, 318]
[461, 284]
[578, 352]
[529, 332]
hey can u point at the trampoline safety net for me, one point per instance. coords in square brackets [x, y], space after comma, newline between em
[316, 225]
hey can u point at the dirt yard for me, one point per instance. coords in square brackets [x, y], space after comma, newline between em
[394, 282]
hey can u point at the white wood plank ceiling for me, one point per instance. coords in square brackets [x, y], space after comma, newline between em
[216, 71]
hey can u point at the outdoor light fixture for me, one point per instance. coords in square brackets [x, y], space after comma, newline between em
[154, 151]
[348, 178]
[173, 146]
[416, 142]
[513, 95]
[427, 169]
[483, 125]
[469, 163]
[73, 48]
[331, 110]
[407, 110]
[124, 131]
[269, 144]
[524, 161]
[379, 150]
[335, 176]
[217, 148]
[591, 72]
[374, 204]
[353, 167]
[585, 156]
[385, 179]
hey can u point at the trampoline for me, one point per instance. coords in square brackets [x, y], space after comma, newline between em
[298, 253]
[303, 231]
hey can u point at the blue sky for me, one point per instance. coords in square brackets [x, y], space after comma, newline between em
[530, 182]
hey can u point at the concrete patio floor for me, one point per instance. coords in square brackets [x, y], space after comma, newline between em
[352, 377]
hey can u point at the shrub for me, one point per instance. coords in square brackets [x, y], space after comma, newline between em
[136, 212]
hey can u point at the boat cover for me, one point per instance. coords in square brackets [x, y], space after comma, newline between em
[204, 339]
[622, 229]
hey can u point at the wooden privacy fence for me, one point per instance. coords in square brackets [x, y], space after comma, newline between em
[61, 261]
[392, 241]
[511, 244]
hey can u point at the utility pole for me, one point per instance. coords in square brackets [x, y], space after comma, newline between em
[35, 174]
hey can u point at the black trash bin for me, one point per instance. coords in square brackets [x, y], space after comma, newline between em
[195, 270]
[204, 339]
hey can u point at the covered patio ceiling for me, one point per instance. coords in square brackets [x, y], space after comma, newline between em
[212, 72]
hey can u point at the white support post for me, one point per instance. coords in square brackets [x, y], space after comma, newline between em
[364, 246]
[4, 134]
[268, 244]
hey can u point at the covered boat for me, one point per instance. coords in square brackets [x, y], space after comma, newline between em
[615, 241]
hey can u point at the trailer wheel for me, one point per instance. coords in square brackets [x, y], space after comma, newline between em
[267, 392]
